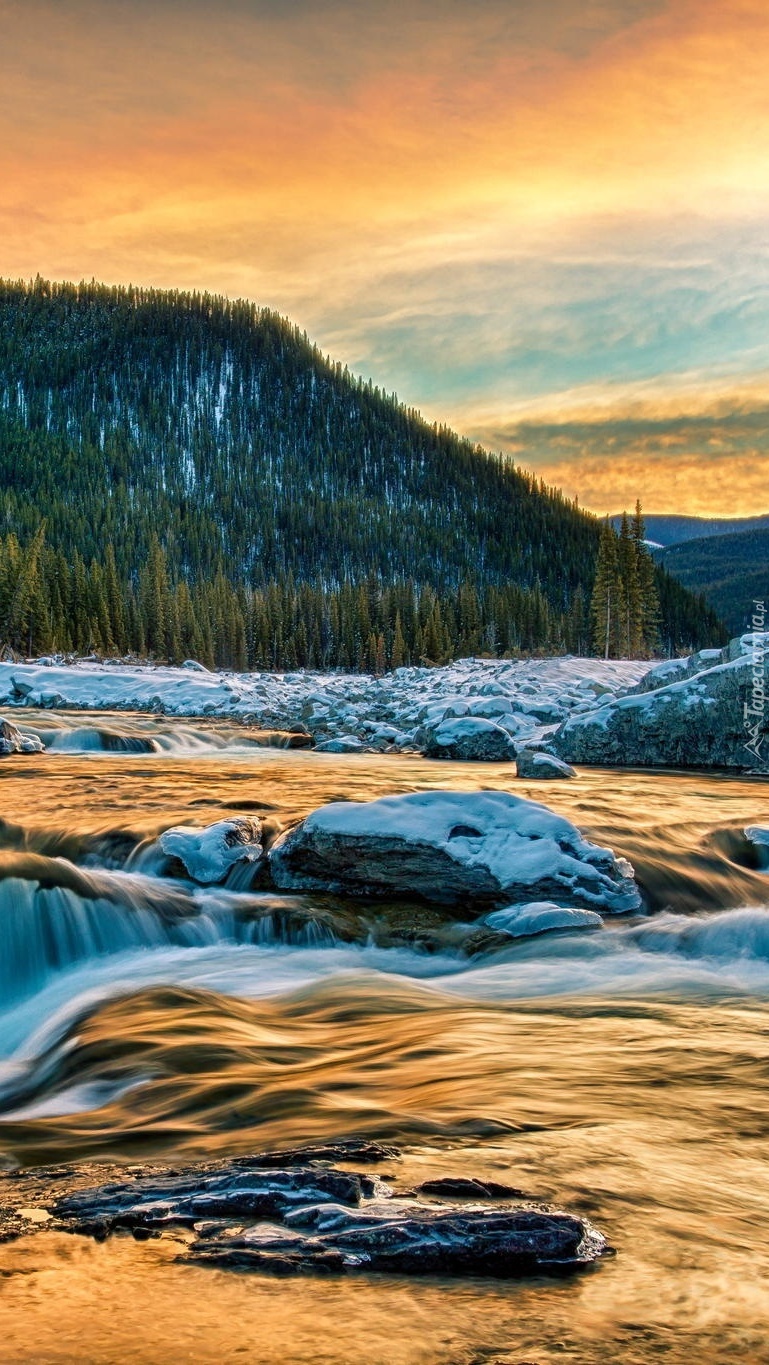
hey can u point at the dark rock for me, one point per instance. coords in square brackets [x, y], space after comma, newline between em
[483, 940]
[299, 739]
[230, 1190]
[534, 765]
[458, 1188]
[353, 1149]
[249, 1214]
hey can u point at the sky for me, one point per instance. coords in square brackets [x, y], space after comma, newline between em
[543, 223]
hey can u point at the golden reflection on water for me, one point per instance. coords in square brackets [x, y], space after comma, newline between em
[652, 1119]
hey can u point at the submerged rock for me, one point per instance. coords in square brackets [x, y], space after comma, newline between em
[208, 854]
[540, 917]
[344, 744]
[253, 1214]
[467, 739]
[12, 741]
[482, 849]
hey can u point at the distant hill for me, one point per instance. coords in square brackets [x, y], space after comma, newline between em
[674, 530]
[731, 571]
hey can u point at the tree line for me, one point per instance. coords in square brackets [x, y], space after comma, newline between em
[51, 604]
[625, 603]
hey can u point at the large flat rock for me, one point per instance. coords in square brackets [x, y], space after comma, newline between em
[307, 1216]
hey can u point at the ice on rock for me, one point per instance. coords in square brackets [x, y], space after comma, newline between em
[12, 741]
[758, 836]
[208, 854]
[480, 848]
[343, 744]
[540, 917]
[711, 715]
[332, 705]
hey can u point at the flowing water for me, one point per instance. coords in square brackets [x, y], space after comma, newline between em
[621, 1073]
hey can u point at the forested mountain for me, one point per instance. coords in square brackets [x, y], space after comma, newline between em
[669, 529]
[732, 571]
[198, 461]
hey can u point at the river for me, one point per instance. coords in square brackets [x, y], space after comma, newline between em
[621, 1073]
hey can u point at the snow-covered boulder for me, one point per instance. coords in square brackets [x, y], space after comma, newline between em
[208, 854]
[345, 744]
[536, 765]
[716, 717]
[676, 670]
[469, 739]
[540, 917]
[12, 741]
[452, 848]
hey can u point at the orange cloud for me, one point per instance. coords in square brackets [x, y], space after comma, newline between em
[711, 464]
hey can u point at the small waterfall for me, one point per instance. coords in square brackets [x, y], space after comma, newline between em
[88, 739]
[45, 930]
[159, 736]
[55, 916]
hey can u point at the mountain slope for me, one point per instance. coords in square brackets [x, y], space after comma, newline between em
[215, 426]
[220, 422]
[731, 571]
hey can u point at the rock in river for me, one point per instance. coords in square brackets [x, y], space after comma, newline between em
[468, 739]
[471, 848]
[713, 717]
[317, 1219]
[12, 741]
[537, 765]
[540, 917]
[208, 854]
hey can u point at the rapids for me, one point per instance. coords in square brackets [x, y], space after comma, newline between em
[622, 1071]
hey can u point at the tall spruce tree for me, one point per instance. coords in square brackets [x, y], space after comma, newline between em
[606, 602]
[648, 593]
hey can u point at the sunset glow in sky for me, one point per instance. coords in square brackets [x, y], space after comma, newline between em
[543, 223]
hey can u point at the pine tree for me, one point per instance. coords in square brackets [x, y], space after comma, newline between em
[649, 601]
[605, 605]
[398, 651]
[629, 592]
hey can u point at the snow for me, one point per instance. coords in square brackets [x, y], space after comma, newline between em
[515, 841]
[525, 697]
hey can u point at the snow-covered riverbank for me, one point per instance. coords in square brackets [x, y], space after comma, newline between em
[705, 711]
[519, 696]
